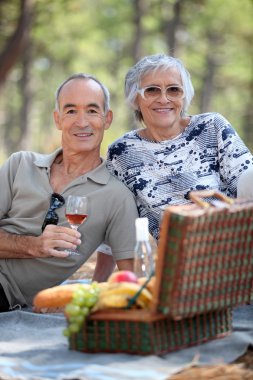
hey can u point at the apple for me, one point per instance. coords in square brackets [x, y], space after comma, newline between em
[123, 276]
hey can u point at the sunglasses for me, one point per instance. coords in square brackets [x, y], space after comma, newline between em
[153, 92]
[51, 217]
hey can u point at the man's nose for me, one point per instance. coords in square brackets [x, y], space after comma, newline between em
[82, 118]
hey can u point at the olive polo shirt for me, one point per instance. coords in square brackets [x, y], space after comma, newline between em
[24, 201]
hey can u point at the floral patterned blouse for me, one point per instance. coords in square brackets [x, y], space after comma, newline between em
[209, 154]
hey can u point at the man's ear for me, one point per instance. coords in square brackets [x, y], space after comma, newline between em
[108, 119]
[57, 120]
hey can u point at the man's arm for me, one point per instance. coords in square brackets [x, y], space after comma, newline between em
[105, 265]
[13, 246]
[126, 264]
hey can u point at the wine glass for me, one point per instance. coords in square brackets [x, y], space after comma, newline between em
[76, 213]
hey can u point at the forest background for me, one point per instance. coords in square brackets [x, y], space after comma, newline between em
[44, 41]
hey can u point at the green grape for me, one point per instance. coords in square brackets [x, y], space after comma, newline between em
[85, 311]
[81, 317]
[66, 332]
[79, 308]
[78, 300]
[74, 327]
[78, 292]
[72, 309]
[75, 318]
[91, 300]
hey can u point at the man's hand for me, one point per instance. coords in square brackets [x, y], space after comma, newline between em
[54, 238]
[53, 242]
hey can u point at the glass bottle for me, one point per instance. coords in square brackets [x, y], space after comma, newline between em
[143, 258]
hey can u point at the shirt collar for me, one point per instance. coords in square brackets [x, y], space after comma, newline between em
[46, 160]
[100, 174]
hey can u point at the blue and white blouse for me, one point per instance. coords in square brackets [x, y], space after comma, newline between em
[209, 154]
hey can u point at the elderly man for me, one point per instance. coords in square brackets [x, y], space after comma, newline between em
[34, 189]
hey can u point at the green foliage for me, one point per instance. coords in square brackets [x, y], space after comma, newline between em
[97, 36]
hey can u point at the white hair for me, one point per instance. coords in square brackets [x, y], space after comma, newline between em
[152, 63]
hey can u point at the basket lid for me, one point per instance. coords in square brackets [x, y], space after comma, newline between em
[204, 259]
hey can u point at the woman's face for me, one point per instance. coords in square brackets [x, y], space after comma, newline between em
[160, 112]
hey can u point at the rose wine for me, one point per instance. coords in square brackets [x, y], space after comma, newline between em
[76, 218]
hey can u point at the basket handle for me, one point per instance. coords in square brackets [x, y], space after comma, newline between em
[195, 196]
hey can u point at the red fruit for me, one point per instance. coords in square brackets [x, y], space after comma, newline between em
[123, 276]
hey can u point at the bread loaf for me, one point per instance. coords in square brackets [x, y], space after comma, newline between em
[58, 296]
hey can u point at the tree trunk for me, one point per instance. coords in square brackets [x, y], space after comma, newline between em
[26, 96]
[207, 84]
[15, 45]
[248, 113]
[16, 132]
[139, 8]
[172, 25]
[211, 64]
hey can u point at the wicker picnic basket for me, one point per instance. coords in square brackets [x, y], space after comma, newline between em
[204, 268]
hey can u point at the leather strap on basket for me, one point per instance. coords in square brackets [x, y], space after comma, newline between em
[132, 300]
[195, 196]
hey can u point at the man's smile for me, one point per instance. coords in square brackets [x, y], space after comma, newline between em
[83, 134]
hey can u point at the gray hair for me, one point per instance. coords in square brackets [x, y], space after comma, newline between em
[84, 76]
[152, 63]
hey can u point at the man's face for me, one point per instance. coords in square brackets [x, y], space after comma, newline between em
[81, 116]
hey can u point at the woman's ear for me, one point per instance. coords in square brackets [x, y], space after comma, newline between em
[138, 115]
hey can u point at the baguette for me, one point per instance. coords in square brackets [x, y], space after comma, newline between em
[57, 296]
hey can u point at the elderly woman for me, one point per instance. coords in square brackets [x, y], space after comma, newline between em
[173, 153]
